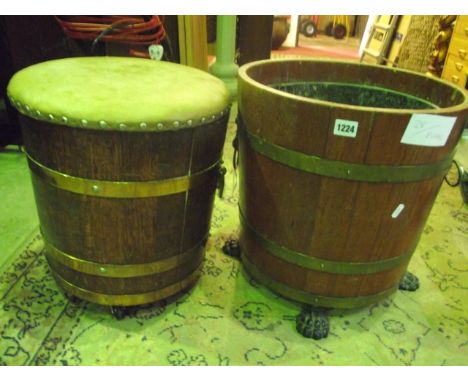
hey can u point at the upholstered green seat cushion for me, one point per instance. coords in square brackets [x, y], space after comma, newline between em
[118, 93]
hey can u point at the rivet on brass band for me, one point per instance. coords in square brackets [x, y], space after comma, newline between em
[117, 189]
[119, 270]
[128, 299]
[342, 170]
[311, 299]
[323, 265]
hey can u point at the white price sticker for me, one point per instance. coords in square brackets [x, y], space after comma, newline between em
[428, 130]
[345, 128]
[398, 210]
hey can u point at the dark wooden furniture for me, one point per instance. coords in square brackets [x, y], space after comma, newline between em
[335, 182]
[254, 38]
[125, 158]
[24, 40]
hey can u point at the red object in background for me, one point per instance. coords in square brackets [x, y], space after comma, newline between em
[134, 30]
[315, 19]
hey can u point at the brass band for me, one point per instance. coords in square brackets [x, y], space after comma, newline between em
[118, 189]
[128, 299]
[343, 170]
[323, 265]
[311, 299]
[119, 270]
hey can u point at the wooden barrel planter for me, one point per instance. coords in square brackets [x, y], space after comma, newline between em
[340, 164]
[125, 158]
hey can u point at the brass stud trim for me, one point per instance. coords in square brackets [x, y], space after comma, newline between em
[100, 124]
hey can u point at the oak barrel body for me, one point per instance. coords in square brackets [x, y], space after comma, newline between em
[340, 164]
[125, 158]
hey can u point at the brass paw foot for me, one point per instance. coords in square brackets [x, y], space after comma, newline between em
[409, 282]
[232, 248]
[313, 323]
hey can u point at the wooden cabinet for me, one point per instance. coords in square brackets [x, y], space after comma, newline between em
[456, 64]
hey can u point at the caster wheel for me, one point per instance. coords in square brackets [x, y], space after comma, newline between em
[409, 282]
[232, 248]
[309, 29]
[313, 323]
[339, 31]
[119, 312]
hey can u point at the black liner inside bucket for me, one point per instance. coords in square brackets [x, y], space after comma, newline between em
[355, 94]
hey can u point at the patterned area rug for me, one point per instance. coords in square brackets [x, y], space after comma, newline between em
[230, 319]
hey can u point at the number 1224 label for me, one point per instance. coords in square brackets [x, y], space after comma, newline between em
[345, 128]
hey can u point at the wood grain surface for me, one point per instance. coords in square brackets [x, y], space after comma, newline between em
[125, 231]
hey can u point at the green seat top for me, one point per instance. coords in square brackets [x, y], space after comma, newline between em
[119, 93]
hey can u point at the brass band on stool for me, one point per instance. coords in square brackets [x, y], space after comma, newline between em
[120, 189]
[128, 299]
[119, 270]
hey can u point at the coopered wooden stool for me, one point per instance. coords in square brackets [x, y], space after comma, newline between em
[125, 157]
[340, 164]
